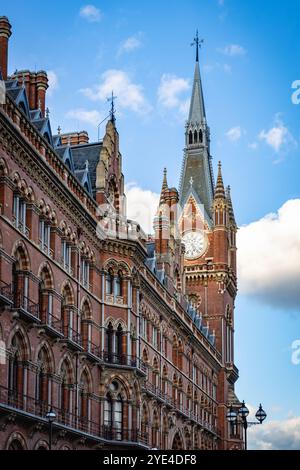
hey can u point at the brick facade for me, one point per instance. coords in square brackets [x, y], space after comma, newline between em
[98, 320]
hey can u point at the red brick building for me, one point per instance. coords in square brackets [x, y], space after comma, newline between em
[129, 338]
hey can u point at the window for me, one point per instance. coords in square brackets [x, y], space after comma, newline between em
[118, 417]
[119, 284]
[44, 237]
[155, 336]
[144, 327]
[113, 417]
[195, 137]
[108, 411]
[85, 272]
[200, 136]
[109, 340]
[190, 137]
[19, 214]
[66, 255]
[109, 283]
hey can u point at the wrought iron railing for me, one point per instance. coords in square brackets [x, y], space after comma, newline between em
[37, 408]
[24, 303]
[6, 291]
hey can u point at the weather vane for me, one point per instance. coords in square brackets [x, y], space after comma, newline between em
[112, 108]
[198, 43]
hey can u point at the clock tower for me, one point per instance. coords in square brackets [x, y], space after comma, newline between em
[208, 230]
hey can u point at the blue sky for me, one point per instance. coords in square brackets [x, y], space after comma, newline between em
[249, 60]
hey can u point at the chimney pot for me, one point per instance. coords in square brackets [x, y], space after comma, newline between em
[5, 33]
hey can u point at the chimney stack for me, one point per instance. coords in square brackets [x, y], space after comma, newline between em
[41, 87]
[5, 33]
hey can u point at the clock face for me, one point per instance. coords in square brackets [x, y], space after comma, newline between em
[194, 244]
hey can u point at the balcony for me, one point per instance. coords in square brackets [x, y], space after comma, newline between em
[72, 338]
[35, 410]
[46, 249]
[6, 295]
[27, 308]
[52, 324]
[92, 350]
[19, 225]
[123, 360]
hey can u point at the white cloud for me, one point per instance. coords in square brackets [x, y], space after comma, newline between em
[170, 92]
[52, 82]
[233, 50]
[129, 95]
[276, 435]
[278, 136]
[234, 134]
[141, 206]
[92, 117]
[217, 66]
[269, 257]
[253, 145]
[130, 44]
[90, 13]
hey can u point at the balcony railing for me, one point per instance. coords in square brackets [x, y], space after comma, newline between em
[123, 360]
[10, 399]
[26, 306]
[52, 322]
[21, 226]
[46, 249]
[6, 292]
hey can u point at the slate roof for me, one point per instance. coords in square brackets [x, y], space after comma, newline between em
[87, 152]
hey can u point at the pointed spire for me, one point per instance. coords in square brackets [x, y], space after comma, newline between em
[230, 207]
[220, 191]
[164, 185]
[197, 108]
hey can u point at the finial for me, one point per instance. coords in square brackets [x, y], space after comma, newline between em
[165, 182]
[220, 191]
[58, 130]
[197, 42]
[47, 113]
[86, 164]
[23, 79]
[40, 104]
[112, 107]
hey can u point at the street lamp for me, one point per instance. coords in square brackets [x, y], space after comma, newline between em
[243, 412]
[51, 417]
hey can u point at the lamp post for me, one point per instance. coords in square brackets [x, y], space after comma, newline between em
[51, 417]
[243, 412]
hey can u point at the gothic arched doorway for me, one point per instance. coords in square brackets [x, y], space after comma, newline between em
[177, 442]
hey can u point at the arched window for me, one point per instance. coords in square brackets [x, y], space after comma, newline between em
[109, 341]
[83, 400]
[19, 213]
[190, 137]
[200, 136]
[42, 383]
[69, 320]
[175, 351]
[16, 371]
[110, 282]
[119, 282]
[195, 137]
[20, 279]
[15, 445]
[45, 297]
[119, 343]
[65, 390]
[108, 412]
[118, 417]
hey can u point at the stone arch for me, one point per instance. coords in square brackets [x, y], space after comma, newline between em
[177, 441]
[19, 342]
[3, 167]
[41, 444]
[45, 353]
[16, 441]
[21, 256]
[66, 369]
[86, 380]
[86, 308]
[67, 293]
[45, 274]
